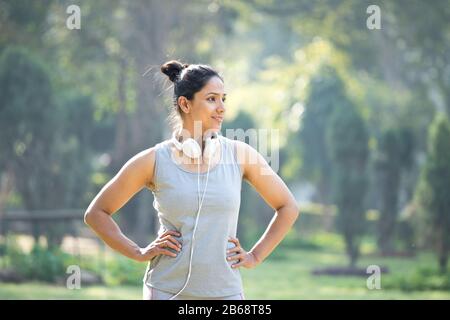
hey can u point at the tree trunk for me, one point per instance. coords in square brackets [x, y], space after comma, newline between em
[120, 143]
[352, 250]
[151, 22]
[443, 250]
[443, 257]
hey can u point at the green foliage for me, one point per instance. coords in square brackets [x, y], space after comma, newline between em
[26, 104]
[120, 270]
[406, 235]
[432, 191]
[421, 279]
[23, 22]
[295, 240]
[265, 282]
[243, 120]
[42, 264]
[93, 98]
[43, 291]
[394, 156]
[326, 93]
[42, 135]
[347, 140]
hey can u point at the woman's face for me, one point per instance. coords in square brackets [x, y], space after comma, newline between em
[208, 106]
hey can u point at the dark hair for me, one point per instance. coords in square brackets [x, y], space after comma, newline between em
[187, 80]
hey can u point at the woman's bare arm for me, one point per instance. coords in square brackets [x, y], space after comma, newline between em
[274, 191]
[136, 174]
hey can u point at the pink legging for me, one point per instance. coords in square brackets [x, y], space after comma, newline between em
[150, 293]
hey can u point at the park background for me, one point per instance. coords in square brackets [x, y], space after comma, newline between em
[364, 137]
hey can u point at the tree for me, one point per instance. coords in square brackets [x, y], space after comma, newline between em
[347, 140]
[26, 125]
[326, 93]
[23, 22]
[397, 53]
[45, 141]
[434, 185]
[394, 156]
[254, 212]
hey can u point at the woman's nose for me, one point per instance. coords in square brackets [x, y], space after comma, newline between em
[221, 107]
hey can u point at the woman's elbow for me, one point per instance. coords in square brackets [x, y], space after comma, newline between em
[291, 210]
[296, 210]
[89, 217]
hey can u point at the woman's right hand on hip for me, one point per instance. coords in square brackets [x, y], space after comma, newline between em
[161, 245]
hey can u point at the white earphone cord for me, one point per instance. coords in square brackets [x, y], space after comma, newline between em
[200, 203]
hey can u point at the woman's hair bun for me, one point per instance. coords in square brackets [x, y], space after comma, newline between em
[173, 69]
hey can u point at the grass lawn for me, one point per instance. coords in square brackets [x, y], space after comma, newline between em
[35, 290]
[289, 277]
[286, 275]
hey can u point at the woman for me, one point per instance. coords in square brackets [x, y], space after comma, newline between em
[196, 254]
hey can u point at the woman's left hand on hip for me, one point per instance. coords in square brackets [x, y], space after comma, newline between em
[244, 259]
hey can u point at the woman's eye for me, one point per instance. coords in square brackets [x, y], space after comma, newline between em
[212, 99]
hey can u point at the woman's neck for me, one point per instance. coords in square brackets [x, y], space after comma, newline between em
[189, 131]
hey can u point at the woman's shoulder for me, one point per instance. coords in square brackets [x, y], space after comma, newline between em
[241, 152]
[233, 142]
[241, 148]
[149, 154]
[248, 156]
[144, 161]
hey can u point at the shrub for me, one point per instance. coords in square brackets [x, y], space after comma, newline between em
[123, 271]
[420, 280]
[41, 263]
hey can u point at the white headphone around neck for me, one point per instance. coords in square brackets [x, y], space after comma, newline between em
[193, 150]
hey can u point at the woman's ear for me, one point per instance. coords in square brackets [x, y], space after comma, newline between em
[184, 104]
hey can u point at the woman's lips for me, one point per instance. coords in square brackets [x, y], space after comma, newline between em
[218, 119]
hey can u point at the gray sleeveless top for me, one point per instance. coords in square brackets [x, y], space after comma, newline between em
[176, 201]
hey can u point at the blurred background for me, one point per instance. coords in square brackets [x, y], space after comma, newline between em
[360, 95]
